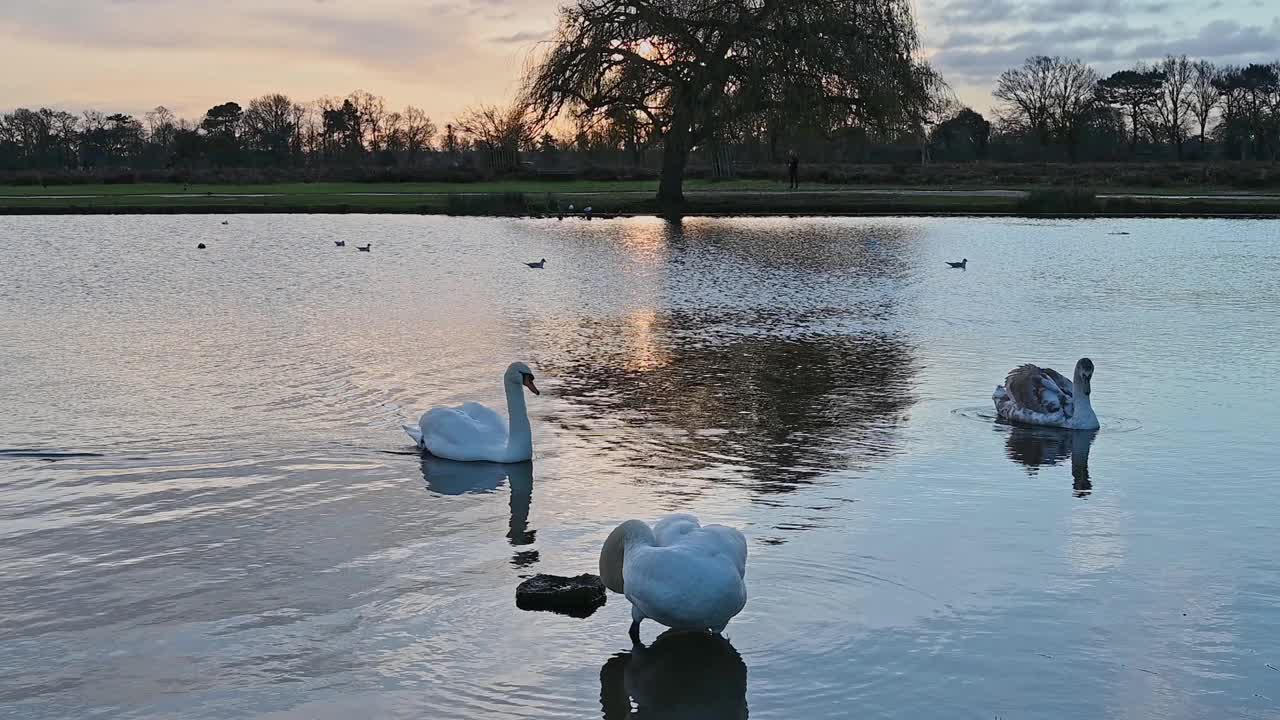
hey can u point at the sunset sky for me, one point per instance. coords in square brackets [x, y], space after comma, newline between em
[442, 55]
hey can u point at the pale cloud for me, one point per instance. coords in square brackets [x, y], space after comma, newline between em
[972, 41]
[522, 37]
[131, 55]
[443, 55]
[1222, 39]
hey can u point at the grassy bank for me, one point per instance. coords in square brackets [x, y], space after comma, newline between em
[1104, 176]
[739, 197]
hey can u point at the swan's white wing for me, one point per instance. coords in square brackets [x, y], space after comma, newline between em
[671, 528]
[684, 586]
[456, 434]
[732, 543]
[485, 416]
[683, 529]
[462, 424]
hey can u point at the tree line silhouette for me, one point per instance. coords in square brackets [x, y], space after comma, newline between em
[1178, 108]
[1048, 109]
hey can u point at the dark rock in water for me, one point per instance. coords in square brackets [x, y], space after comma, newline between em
[575, 596]
[200, 246]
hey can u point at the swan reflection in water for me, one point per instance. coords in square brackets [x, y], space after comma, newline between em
[447, 477]
[681, 675]
[1040, 447]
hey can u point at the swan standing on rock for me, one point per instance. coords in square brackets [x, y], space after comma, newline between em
[678, 573]
[1040, 396]
[473, 432]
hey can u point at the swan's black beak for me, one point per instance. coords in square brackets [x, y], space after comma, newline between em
[528, 382]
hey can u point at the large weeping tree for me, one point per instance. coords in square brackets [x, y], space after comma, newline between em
[690, 69]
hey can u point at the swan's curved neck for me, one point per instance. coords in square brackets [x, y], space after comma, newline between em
[519, 434]
[1083, 415]
[624, 538]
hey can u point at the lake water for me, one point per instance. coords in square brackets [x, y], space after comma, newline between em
[208, 508]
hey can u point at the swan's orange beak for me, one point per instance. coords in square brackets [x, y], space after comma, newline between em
[528, 382]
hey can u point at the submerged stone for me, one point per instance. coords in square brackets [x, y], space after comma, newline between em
[576, 596]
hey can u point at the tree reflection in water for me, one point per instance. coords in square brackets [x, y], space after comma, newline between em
[782, 410]
[761, 352]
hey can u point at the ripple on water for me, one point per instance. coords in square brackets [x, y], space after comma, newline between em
[209, 510]
[1110, 423]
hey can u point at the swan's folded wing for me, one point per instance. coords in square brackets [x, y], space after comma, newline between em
[455, 426]
[670, 529]
[683, 586]
[1058, 379]
[1027, 386]
[485, 417]
[684, 531]
[733, 544]
[1064, 388]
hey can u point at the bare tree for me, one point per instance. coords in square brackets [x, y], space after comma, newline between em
[1048, 96]
[418, 132]
[66, 131]
[451, 144]
[689, 68]
[93, 120]
[498, 128]
[1204, 95]
[33, 133]
[373, 115]
[1133, 90]
[393, 134]
[161, 124]
[1173, 103]
[1075, 92]
[1027, 94]
[268, 125]
[302, 117]
[310, 129]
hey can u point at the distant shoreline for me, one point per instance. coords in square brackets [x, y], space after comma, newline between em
[687, 212]
[631, 198]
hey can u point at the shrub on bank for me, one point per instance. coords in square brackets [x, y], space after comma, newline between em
[1054, 200]
[1239, 175]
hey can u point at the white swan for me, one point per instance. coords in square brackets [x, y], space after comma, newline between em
[473, 432]
[678, 573]
[1040, 396]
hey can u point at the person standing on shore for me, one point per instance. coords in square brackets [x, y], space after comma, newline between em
[793, 170]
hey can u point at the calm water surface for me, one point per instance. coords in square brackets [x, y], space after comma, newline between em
[208, 508]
